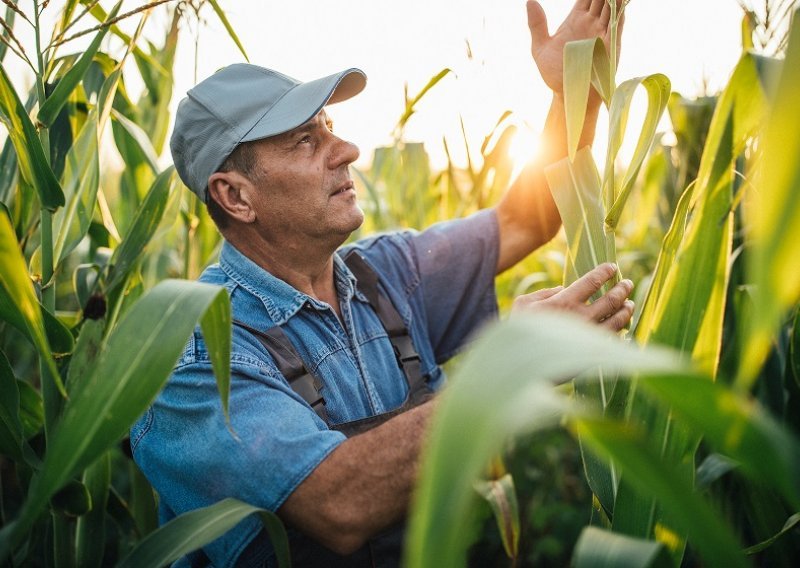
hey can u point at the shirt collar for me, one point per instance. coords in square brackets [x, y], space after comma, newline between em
[280, 299]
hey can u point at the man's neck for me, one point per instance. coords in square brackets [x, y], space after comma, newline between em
[307, 268]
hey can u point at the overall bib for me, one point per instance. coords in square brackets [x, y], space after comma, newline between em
[385, 549]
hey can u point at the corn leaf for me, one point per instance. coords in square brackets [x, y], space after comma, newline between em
[652, 476]
[147, 218]
[586, 65]
[578, 58]
[139, 137]
[790, 524]
[192, 530]
[101, 15]
[502, 499]
[412, 103]
[90, 530]
[138, 358]
[11, 438]
[55, 102]
[736, 427]
[702, 239]
[597, 548]
[18, 303]
[794, 350]
[224, 19]
[658, 89]
[9, 19]
[502, 388]
[576, 190]
[774, 264]
[81, 181]
[152, 109]
[31, 158]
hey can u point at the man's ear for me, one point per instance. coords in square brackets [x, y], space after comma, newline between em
[232, 191]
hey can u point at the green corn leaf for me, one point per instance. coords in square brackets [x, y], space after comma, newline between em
[139, 356]
[735, 427]
[192, 530]
[701, 237]
[139, 137]
[502, 499]
[713, 468]
[154, 105]
[147, 218]
[84, 358]
[31, 409]
[101, 15]
[73, 499]
[81, 181]
[576, 190]
[18, 303]
[522, 357]
[644, 469]
[585, 64]
[8, 173]
[224, 19]
[794, 350]
[597, 548]
[658, 89]
[774, 264]
[31, 159]
[411, 103]
[58, 335]
[9, 19]
[55, 102]
[790, 524]
[90, 530]
[11, 437]
[578, 57]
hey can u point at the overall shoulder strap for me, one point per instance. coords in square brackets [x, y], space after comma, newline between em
[291, 366]
[407, 357]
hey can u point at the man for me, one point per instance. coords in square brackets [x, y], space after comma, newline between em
[335, 354]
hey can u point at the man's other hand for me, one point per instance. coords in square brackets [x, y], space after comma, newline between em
[612, 310]
[587, 19]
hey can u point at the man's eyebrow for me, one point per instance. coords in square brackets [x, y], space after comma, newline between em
[308, 126]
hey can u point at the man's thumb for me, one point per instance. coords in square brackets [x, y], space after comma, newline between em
[537, 23]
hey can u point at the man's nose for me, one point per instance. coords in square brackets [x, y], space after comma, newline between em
[343, 153]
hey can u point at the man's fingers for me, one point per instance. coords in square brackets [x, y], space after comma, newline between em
[583, 5]
[585, 286]
[611, 302]
[605, 15]
[537, 23]
[527, 301]
[596, 7]
[621, 318]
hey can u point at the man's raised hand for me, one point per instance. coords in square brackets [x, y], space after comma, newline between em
[587, 19]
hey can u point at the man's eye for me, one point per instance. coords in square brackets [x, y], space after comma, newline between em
[305, 139]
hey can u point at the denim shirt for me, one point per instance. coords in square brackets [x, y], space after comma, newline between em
[441, 281]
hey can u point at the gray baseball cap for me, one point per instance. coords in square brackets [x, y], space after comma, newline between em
[244, 102]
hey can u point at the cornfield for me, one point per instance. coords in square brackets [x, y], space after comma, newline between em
[686, 429]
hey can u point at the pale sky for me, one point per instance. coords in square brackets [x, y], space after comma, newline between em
[694, 42]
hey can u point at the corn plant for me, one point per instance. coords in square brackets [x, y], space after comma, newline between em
[86, 340]
[643, 415]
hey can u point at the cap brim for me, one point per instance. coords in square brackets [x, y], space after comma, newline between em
[304, 101]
